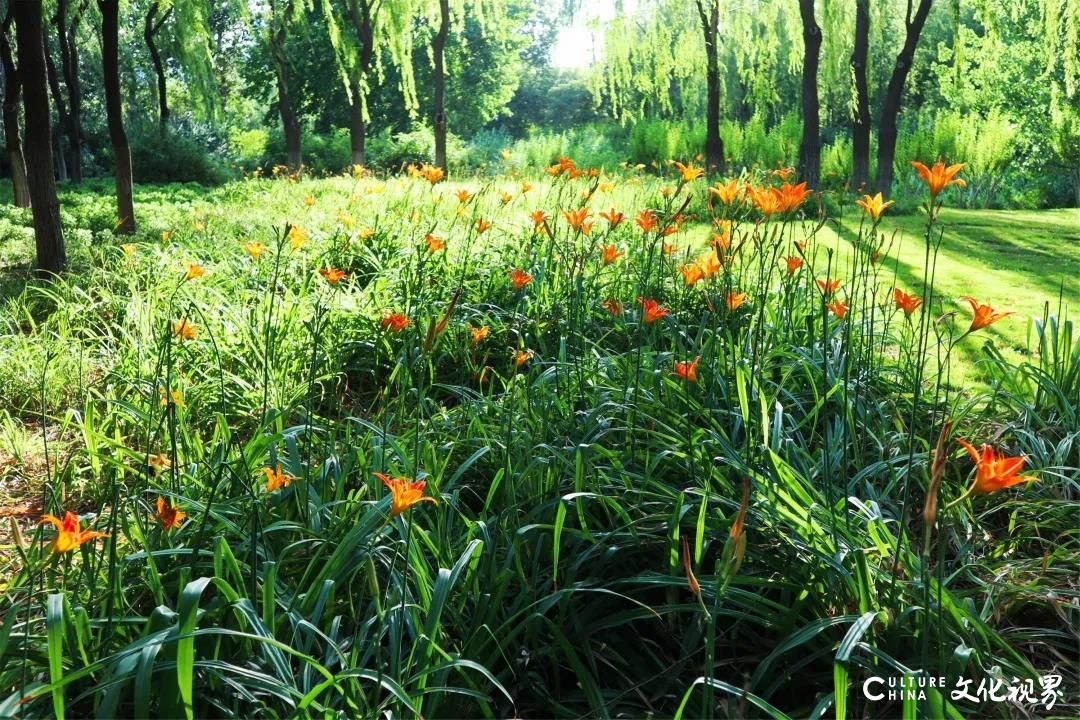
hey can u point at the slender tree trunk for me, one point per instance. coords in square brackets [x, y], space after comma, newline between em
[12, 137]
[61, 115]
[289, 122]
[110, 63]
[714, 144]
[438, 115]
[48, 234]
[860, 126]
[69, 70]
[360, 12]
[357, 136]
[150, 28]
[894, 94]
[810, 145]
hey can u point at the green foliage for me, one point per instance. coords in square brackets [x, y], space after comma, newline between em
[179, 156]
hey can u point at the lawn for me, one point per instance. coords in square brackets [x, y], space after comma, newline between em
[713, 506]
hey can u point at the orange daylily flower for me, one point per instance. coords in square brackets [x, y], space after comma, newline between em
[175, 396]
[689, 171]
[463, 195]
[519, 278]
[691, 273]
[708, 263]
[874, 206]
[769, 201]
[792, 196]
[728, 192]
[482, 226]
[538, 217]
[687, 370]
[838, 308]
[566, 164]
[721, 241]
[670, 248]
[611, 253]
[297, 237]
[404, 493]
[783, 173]
[254, 249]
[576, 218]
[170, 515]
[431, 174]
[828, 285]
[735, 300]
[505, 197]
[333, 275]
[652, 310]
[904, 301]
[526, 187]
[365, 233]
[166, 235]
[984, 315]
[68, 534]
[129, 249]
[553, 170]
[434, 244]
[521, 357]
[195, 271]
[276, 478]
[395, 322]
[159, 463]
[478, 334]
[993, 470]
[793, 264]
[613, 306]
[613, 217]
[801, 244]
[646, 220]
[184, 330]
[939, 177]
[309, 201]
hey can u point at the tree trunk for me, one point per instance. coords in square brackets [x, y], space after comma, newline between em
[356, 125]
[12, 137]
[48, 234]
[438, 115]
[894, 94]
[714, 144]
[289, 122]
[61, 115]
[810, 145]
[149, 30]
[110, 64]
[69, 70]
[860, 126]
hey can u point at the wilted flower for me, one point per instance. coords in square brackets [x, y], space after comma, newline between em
[613, 306]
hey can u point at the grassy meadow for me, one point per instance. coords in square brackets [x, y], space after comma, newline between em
[667, 468]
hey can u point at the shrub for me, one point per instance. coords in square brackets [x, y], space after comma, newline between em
[186, 154]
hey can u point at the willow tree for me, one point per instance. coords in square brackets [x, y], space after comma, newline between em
[48, 233]
[365, 35]
[179, 30]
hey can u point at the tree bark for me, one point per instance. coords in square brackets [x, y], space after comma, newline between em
[357, 136]
[12, 136]
[150, 29]
[714, 144]
[69, 70]
[110, 63]
[61, 115]
[360, 12]
[810, 144]
[438, 115]
[894, 94]
[860, 126]
[289, 122]
[48, 234]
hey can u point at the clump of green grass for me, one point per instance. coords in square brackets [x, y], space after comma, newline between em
[512, 363]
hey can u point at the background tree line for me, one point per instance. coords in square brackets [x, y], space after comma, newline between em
[162, 90]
